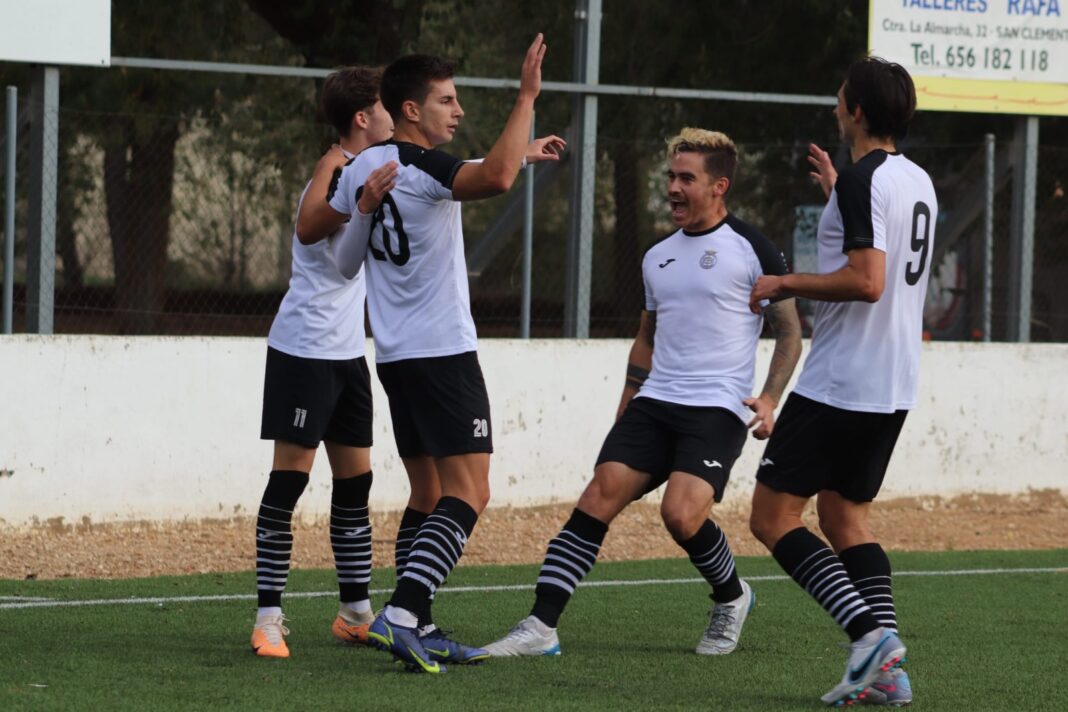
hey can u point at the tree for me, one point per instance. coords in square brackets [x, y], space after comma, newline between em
[147, 111]
[330, 34]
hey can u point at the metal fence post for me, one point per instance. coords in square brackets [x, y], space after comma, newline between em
[528, 242]
[41, 247]
[9, 209]
[1022, 249]
[583, 177]
[988, 237]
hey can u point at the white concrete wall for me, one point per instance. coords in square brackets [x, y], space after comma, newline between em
[113, 428]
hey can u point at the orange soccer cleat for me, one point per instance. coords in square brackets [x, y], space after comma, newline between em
[268, 637]
[351, 627]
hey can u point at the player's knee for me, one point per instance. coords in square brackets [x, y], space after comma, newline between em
[762, 527]
[600, 498]
[835, 526]
[482, 498]
[682, 528]
[682, 521]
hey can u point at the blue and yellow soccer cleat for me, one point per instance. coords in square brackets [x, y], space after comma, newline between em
[444, 649]
[403, 643]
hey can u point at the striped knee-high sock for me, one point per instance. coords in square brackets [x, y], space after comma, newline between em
[410, 522]
[869, 570]
[570, 556]
[274, 534]
[711, 555]
[816, 569]
[350, 536]
[437, 547]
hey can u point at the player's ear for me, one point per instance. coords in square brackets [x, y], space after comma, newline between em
[410, 111]
[858, 116]
[360, 120]
[720, 186]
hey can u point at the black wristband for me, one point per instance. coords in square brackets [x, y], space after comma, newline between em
[637, 373]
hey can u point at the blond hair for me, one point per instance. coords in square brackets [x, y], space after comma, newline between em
[721, 155]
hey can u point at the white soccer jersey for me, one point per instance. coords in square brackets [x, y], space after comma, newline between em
[704, 348]
[417, 293]
[866, 357]
[321, 315]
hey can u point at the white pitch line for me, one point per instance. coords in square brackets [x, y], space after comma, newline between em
[23, 598]
[49, 603]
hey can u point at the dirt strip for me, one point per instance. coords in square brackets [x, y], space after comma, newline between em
[51, 550]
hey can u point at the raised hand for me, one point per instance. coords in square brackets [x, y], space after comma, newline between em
[824, 173]
[547, 148]
[530, 75]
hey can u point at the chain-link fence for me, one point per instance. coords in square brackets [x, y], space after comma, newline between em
[174, 224]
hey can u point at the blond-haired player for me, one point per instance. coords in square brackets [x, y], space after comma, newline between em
[687, 398]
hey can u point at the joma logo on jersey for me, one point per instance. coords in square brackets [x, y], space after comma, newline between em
[299, 417]
[708, 260]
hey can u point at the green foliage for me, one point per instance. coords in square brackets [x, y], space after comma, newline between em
[783, 46]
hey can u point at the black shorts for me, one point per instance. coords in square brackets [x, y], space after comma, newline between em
[308, 400]
[817, 447]
[659, 438]
[438, 405]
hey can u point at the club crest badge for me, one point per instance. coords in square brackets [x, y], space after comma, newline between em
[708, 260]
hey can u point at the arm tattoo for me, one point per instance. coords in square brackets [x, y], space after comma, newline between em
[650, 332]
[782, 318]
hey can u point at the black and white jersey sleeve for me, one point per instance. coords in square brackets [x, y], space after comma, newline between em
[862, 218]
[436, 170]
[769, 258]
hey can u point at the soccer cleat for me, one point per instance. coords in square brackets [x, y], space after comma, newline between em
[351, 627]
[268, 637]
[891, 689]
[443, 649]
[404, 643]
[725, 624]
[880, 651]
[529, 637]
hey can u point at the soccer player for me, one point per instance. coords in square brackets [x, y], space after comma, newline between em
[838, 428]
[404, 198]
[683, 414]
[317, 389]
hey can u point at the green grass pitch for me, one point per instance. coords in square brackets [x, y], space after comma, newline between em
[976, 642]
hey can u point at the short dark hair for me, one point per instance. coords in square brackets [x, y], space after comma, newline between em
[347, 91]
[408, 79]
[884, 92]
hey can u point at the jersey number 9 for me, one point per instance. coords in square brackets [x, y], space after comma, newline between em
[920, 243]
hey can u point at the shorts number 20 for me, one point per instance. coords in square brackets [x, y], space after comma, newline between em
[481, 428]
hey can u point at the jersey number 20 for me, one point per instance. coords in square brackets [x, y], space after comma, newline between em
[920, 243]
[404, 252]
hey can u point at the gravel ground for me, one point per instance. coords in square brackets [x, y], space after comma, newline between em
[54, 549]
